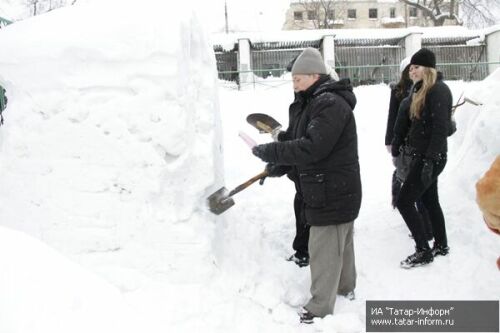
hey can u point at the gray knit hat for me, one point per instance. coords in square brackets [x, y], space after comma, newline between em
[309, 61]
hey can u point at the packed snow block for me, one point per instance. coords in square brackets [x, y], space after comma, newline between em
[475, 144]
[44, 292]
[113, 132]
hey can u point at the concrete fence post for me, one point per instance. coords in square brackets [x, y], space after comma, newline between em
[413, 43]
[328, 50]
[244, 60]
[493, 49]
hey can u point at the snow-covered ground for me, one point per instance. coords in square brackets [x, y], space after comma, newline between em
[253, 287]
[110, 146]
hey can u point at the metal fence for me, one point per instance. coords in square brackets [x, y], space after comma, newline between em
[461, 62]
[272, 58]
[272, 62]
[364, 61]
[227, 63]
[369, 61]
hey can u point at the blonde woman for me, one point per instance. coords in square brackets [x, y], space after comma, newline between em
[426, 128]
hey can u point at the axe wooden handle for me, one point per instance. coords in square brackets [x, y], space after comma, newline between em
[249, 182]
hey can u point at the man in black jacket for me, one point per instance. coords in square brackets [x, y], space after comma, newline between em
[319, 152]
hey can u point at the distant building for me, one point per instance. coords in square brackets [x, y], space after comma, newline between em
[352, 14]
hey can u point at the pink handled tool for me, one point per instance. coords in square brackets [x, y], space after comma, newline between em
[248, 140]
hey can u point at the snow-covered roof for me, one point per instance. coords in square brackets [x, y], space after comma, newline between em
[454, 33]
[286, 45]
[462, 40]
[448, 35]
[368, 41]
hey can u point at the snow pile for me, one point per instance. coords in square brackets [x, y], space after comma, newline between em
[475, 144]
[44, 292]
[111, 136]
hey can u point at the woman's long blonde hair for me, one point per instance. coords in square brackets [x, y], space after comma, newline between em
[418, 100]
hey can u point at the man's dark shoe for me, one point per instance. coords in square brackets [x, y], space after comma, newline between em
[440, 250]
[349, 295]
[301, 260]
[419, 258]
[305, 316]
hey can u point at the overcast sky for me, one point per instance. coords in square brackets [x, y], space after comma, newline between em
[245, 15]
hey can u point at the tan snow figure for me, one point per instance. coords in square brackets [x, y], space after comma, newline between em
[488, 196]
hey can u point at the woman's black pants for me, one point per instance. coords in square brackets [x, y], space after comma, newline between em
[413, 190]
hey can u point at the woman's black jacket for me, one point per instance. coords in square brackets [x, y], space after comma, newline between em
[394, 102]
[427, 135]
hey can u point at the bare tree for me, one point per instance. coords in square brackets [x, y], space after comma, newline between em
[437, 10]
[322, 12]
[480, 13]
[475, 13]
[33, 3]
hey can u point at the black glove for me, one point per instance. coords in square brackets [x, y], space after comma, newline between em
[273, 170]
[261, 152]
[427, 170]
[395, 150]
